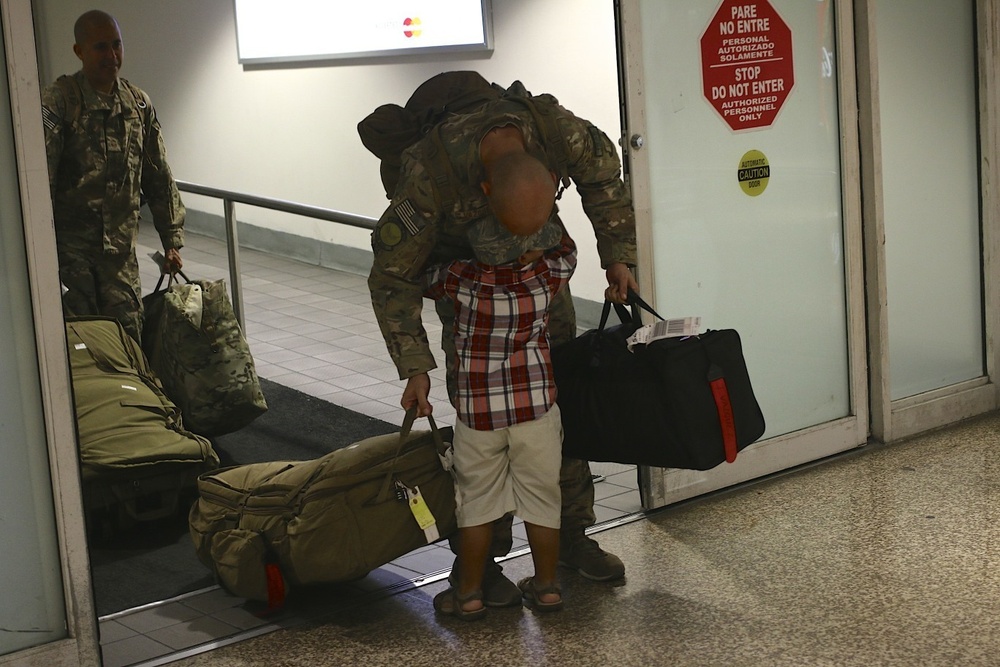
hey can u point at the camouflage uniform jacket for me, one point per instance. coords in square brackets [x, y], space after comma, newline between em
[420, 228]
[104, 152]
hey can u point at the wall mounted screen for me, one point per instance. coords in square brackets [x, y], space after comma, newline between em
[274, 31]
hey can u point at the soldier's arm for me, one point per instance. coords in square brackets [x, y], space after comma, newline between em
[53, 123]
[158, 185]
[596, 171]
[402, 243]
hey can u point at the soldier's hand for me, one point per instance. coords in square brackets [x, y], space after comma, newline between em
[417, 390]
[172, 261]
[620, 280]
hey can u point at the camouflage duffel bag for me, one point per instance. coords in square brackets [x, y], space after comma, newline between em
[196, 346]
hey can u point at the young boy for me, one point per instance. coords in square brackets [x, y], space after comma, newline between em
[508, 436]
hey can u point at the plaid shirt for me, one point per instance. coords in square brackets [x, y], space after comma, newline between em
[501, 335]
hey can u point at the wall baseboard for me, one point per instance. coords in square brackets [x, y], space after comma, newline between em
[328, 255]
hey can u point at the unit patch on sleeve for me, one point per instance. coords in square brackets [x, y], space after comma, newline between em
[389, 235]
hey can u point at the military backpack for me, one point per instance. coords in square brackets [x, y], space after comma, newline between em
[390, 129]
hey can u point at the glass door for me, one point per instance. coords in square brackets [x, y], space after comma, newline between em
[743, 165]
[928, 155]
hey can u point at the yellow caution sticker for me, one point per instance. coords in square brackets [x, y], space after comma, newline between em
[754, 173]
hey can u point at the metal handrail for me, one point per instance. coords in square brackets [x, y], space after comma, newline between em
[229, 201]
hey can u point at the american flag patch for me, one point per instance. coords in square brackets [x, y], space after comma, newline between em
[409, 217]
[49, 118]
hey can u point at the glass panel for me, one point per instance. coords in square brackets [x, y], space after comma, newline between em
[33, 611]
[764, 256]
[927, 95]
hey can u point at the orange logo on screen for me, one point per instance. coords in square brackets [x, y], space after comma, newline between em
[411, 27]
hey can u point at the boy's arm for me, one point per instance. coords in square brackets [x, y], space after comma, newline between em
[432, 282]
[561, 261]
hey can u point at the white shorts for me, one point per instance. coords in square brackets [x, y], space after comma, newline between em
[515, 469]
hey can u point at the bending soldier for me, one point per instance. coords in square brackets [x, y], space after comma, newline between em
[445, 184]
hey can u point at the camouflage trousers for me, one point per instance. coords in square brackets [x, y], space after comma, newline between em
[108, 286]
[575, 479]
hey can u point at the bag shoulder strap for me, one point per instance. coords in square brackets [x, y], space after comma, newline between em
[542, 109]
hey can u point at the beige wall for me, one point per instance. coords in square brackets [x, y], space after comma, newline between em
[290, 132]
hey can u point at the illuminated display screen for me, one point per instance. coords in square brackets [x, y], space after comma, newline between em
[300, 30]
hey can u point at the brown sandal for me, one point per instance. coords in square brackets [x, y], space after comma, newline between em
[533, 595]
[450, 603]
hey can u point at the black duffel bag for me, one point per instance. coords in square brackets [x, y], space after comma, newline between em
[674, 403]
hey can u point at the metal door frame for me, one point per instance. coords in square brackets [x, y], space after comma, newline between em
[899, 419]
[81, 646]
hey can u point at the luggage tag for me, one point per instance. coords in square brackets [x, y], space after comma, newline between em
[447, 458]
[422, 513]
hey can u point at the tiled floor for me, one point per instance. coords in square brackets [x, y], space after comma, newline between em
[312, 329]
[888, 556]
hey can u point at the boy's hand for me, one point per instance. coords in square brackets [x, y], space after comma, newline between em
[417, 390]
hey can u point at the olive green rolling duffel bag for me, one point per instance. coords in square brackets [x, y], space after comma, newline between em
[265, 527]
[137, 461]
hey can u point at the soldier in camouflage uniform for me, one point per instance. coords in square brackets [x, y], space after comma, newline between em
[426, 223]
[104, 152]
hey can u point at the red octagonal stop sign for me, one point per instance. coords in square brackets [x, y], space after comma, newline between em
[746, 63]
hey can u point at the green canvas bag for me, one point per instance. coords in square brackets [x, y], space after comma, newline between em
[265, 527]
[196, 346]
[136, 457]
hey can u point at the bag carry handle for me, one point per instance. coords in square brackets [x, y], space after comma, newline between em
[635, 300]
[159, 259]
[723, 406]
[404, 432]
[624, 314]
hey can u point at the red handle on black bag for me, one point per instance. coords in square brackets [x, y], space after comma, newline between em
[720, 392]
[716, 381]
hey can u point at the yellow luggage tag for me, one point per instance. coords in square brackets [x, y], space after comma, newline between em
[422, 513]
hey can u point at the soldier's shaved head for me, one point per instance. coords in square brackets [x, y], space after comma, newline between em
[99, 48]
[522, 192]
[88, 20]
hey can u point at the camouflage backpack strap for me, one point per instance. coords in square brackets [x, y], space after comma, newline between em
[137, 95]
[141, 103]
[442, 172]
[434, 101]
[542, 111]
